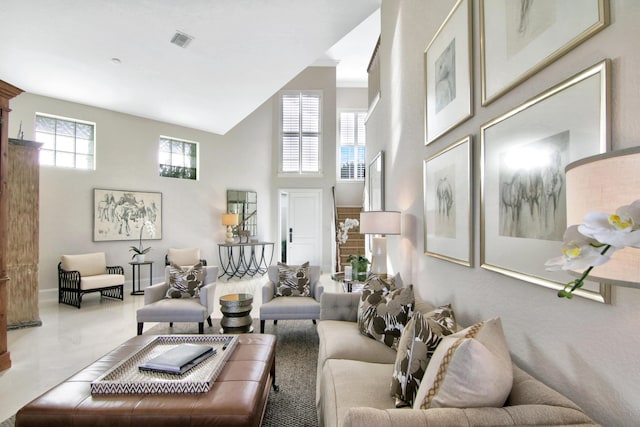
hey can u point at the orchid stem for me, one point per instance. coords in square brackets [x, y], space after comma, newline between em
[579, 282]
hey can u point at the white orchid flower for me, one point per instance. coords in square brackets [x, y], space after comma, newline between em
[578, 252]
[345, 226]
[151, 229]
[618, 230]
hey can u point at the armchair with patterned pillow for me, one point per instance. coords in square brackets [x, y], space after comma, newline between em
[292, 292]
[186, 295]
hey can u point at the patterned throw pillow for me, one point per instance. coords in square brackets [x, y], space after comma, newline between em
[185, 282]
[419, 340]
[469, 369]
[382, 314]
[375, 283]
[293, 281]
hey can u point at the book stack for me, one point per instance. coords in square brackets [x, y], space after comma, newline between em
[179, 359]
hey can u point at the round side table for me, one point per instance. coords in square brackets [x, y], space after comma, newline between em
[236, 314]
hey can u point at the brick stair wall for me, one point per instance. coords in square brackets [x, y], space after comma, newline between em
[355, 242]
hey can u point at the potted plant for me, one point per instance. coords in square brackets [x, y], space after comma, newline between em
[139, 252]
[358, 266]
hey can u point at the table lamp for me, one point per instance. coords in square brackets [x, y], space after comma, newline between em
[379, 223]
[230, 220]
[603, 183]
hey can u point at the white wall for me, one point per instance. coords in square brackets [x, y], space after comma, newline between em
[126, 153]
[586, 350]
[244, 159]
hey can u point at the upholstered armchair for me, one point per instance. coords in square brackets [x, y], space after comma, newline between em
[85, 273]
[290, 307]
[159, 306]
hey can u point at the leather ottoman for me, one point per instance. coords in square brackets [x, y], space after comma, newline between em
[238, 396]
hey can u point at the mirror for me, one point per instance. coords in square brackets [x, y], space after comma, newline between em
[245, 204]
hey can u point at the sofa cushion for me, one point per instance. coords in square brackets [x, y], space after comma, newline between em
[101, 281]
[352, 383]
[173, 310]
[383, 316]
[419, 340]
[342, 340]
[185, 282]
[87, 264]
[293, 281]
[184, 256]
[469, 369]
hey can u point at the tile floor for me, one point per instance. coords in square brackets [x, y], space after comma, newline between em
[70, 339]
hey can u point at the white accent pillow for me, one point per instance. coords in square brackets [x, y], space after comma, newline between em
[469, 369]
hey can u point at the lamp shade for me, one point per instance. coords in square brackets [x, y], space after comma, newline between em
[380, 222]
[229, 219]
[603, 183]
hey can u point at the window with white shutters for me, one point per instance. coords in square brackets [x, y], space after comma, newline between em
[300, 136]
[352, 146]
[66, 142]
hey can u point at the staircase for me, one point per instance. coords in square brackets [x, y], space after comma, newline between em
[355, 242]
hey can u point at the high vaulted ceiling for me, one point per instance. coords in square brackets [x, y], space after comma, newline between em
[116, 54]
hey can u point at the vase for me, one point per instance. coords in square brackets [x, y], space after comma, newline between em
[359, 271]
[139, 257]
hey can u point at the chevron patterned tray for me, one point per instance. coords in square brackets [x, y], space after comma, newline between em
[126, 378]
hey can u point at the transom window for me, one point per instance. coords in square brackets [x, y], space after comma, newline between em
[300, 136]
[66, 142]
[178, 158]
[352, 145]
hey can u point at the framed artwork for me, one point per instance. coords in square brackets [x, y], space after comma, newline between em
[448, 68]
[121, 214]
[376, 182]
[448, 205]
[520, 37]
[524, 154]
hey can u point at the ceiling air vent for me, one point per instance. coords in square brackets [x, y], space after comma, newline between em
[181, 39]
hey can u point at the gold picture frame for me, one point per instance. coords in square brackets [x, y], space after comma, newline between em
[518, 39]
[448, 203]
[523, 156]
[448, 68]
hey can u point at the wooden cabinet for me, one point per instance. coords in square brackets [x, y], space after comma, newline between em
[23, 236]
[7, 92]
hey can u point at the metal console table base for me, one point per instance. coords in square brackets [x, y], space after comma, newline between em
[236, 262]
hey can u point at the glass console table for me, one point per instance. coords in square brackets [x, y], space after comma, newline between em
[242, 259]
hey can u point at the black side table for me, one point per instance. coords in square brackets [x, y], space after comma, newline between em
[135, 290]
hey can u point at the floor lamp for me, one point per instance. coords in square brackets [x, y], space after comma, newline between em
[379, 223]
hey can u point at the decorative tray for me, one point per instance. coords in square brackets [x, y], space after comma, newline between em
[126, 378]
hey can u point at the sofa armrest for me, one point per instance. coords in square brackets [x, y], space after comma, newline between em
[207, 296]
[339, 306]
[509, 415]
[115, 269]
[212, 274]
[318, 291]
[268, 291]
[155, 292]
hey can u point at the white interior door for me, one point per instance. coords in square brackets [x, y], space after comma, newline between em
[304, 226]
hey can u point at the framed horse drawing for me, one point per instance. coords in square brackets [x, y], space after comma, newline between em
[122, 214]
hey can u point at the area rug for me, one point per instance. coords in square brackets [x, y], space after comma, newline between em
[296, 359]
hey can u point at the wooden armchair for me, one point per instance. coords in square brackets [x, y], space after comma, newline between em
[85, 273]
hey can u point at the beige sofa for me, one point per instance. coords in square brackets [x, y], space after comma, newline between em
[354, 376]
